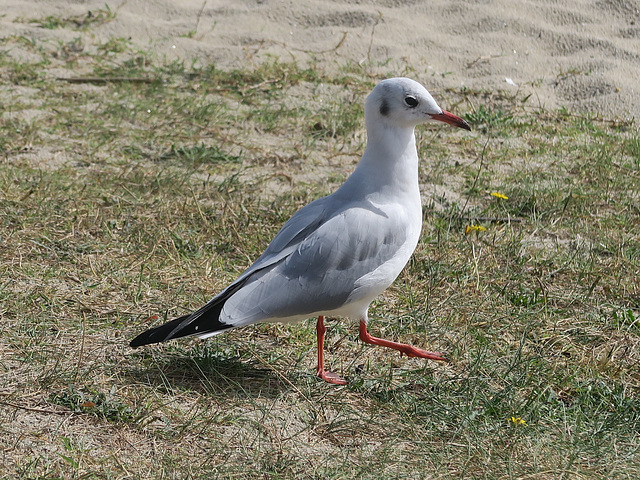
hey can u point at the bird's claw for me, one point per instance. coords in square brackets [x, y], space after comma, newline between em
[411, 351]
[330, 377]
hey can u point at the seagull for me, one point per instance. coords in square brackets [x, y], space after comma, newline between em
[338, 253]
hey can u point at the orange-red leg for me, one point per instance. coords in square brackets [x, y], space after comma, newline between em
[321, 372]
[401, 347]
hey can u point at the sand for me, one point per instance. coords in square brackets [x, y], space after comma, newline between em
[583, 55]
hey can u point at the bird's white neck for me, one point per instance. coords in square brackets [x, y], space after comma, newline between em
[389, 163]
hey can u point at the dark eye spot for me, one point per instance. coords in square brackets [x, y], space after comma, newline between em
[384, 108]
[411, 101]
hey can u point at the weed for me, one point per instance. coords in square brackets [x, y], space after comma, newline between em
[82, 22]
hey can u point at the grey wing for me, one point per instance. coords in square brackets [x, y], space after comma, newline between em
[324, 269]
[294, 231]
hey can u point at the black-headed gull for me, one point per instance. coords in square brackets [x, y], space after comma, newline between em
[335, 255]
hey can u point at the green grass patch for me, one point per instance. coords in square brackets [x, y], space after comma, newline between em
[144, 187]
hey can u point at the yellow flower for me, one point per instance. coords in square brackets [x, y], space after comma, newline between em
[499, 195]
[518, 421]
[474, 228]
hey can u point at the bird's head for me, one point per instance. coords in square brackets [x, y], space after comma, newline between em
[404, 103]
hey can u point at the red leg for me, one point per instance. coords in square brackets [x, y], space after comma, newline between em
[408, 350]
[321, 372]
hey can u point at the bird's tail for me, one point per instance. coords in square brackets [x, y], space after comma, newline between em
[204, 322]
[157, 334]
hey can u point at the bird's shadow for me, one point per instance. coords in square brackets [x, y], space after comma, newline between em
[207, 371]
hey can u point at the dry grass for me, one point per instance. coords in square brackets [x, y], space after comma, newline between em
[121, 200]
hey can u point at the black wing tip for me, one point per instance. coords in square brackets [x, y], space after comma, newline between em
[137, 342]
[205, 320]
[158, 334]
[181, 327]
[146, 338]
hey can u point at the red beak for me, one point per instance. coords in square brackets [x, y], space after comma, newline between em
[451, 119]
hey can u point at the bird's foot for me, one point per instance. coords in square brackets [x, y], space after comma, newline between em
[403, 348]
[330, 377]
[411, 351]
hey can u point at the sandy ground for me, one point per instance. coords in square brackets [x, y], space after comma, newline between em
[580, 54]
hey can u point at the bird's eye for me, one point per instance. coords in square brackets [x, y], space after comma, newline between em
[411, 101]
